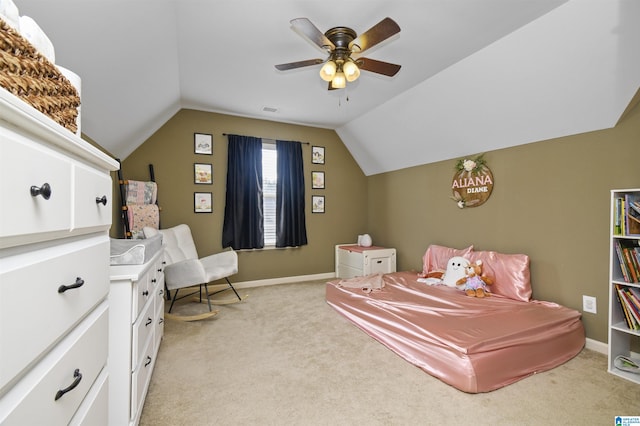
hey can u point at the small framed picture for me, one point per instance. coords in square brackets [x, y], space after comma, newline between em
[317, 180]
[203, 143]
[317, 204]
[202, 202]
[203, 173]
[317, 154]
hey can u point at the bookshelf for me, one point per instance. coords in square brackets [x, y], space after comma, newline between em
[624, 280]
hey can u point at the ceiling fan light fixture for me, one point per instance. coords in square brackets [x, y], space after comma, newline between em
[339, 81]
[328, 71]
[351, 71]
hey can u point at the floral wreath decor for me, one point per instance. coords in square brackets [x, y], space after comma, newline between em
[472, 183]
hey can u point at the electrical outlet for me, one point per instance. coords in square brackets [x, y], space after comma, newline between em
[589, 304]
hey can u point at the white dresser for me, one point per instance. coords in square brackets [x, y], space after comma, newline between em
[55, 214]
[353, 260]
[136, 326]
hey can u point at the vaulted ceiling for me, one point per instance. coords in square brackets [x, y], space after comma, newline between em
[476, 75]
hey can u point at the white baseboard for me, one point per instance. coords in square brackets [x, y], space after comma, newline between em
[596, 345]
[285, 280]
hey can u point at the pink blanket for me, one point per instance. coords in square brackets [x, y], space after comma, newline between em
[475, 345]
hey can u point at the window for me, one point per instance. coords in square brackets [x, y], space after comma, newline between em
[269, 181]
[265, 194]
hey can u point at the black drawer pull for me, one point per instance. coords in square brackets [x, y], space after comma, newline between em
[379, 261]
[161, 321]
[79, 283]
[102, 200]
[148, 361]
[149, 321]
[77, 377]
[145, 293]
[154, 280]
[44, 190]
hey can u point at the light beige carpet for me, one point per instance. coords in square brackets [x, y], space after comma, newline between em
[284, 357]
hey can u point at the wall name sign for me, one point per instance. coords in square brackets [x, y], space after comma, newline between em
[472, 183]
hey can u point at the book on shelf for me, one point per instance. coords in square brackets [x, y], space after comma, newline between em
[632, 305]
[631, 316]
[618, 216]
[628, 252]
[631, 214]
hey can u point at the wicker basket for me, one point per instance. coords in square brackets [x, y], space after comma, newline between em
[34, 79]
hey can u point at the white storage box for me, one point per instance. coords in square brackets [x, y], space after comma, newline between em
[353, 260]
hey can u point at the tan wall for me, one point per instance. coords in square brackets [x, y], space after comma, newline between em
[550, 201]
[171, 151]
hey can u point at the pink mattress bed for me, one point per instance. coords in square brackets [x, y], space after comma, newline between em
[473, 344]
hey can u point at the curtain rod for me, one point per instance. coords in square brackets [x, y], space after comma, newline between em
[272, 139]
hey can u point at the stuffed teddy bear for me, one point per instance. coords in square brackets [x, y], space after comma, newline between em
[456, 270]
[475, 283]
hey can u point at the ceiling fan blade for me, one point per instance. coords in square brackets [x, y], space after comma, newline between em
[299, 64]
[378, 67]
[306, 28]
[374, 35]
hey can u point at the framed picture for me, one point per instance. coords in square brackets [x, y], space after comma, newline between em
[203, 143]
[317, 154]
[317, 180]
[202, 202]
[203, 173]
[317, 204]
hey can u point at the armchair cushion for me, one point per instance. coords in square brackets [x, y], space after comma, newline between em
[178, 244]
[220, 265]
[184, 273]
[184, 269]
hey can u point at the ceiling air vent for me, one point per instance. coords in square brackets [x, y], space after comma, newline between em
[269, 109]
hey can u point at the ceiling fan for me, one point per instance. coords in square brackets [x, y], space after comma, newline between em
[341, 43]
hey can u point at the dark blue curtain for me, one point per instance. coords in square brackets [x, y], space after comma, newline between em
[291, 228]
[243, 220]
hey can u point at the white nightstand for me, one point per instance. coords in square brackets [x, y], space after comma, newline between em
[353, 260]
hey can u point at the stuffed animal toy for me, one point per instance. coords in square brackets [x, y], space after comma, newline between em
[475, 283]
[456, 270]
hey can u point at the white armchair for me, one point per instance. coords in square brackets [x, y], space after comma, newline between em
[184, 269]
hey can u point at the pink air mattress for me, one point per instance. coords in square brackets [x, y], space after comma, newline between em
[473, 344]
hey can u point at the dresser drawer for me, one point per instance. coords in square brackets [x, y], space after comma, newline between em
[94, 410]
[142, 331]
[141, 377]
[24, 164]
[34, 313]
[141, 294]
[78, 359]
[159, 325]
[90, 209]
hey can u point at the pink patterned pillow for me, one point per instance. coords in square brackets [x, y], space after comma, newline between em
[436, 257]
[510, 273]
